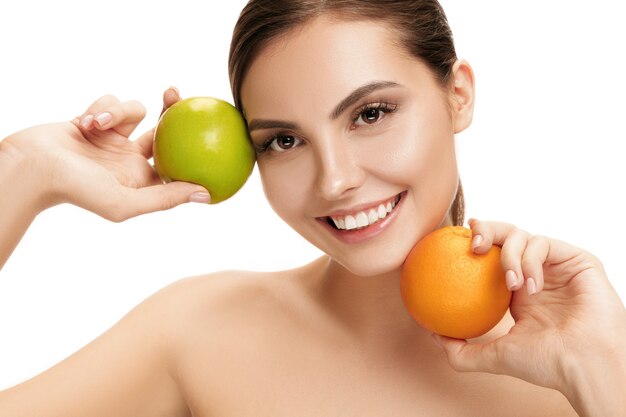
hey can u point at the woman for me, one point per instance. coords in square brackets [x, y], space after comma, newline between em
[333, 139]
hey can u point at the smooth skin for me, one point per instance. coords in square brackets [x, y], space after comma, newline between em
[331, 337]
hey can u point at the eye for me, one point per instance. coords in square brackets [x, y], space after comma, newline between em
[370, 116]
[372, 113]
[282, 143]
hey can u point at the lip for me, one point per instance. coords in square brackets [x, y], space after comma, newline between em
[366, 233]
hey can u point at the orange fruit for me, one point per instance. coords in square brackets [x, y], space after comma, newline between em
[450, 290]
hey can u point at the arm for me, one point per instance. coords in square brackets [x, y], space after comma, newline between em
[596, 385]
[19, 203]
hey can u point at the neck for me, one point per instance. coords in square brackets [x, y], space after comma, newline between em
[369, 309]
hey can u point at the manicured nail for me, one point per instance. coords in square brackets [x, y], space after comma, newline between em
[511, 279]
[531, 286]
[104, 118]
[200, 197]
[85, 122]
[478, 239]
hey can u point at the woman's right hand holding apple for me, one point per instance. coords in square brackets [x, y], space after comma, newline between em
[89, 162]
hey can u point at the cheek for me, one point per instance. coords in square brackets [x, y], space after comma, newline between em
[419, 153]
[287, 186]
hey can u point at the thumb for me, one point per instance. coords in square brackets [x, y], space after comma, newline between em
[162, 197]
[470, 357]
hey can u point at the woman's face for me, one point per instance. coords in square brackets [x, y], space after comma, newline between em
[355, 141]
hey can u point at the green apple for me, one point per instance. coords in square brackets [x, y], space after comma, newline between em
[205, 141]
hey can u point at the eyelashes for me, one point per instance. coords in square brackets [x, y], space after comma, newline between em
[370, 113]
[279, 143]
[365, 116]
[265, 146]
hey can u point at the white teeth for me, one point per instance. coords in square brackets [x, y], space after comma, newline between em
[339, 223]
[350, 222]
[363, 218]
[382, 211]
[372, 216]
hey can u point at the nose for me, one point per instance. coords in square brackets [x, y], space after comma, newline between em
[339, 173]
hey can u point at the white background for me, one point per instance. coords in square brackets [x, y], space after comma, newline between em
[546, 150]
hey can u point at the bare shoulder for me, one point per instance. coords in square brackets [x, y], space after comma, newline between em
[225, 294]
[230, 331]
[163, 353]
[227, 305]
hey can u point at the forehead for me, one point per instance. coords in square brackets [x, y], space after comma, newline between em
[321, 62]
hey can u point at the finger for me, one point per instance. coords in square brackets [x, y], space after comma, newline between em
[559, 252]
[87, 118]
[123, 117]
[533, 260]
[486, 234]
[470, 357]
[170, 96]
[85, 122]
[165, 197]
[145, 142]
[131, 202]
[513, 242]
[511, 256]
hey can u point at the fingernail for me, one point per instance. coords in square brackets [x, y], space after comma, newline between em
[200, 197]
[511, 279]
[531, 286]
[103, 118]
[478, 239]
[85, 122]
[174, 89]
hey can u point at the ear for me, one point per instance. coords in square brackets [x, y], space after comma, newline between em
[462, 95]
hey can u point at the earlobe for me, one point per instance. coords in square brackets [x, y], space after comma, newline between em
[462, 95]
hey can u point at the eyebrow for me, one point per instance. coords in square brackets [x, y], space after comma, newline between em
[358, 94]
[353, 97]
[260, 124]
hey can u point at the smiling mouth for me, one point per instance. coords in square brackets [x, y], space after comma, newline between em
[362, 219]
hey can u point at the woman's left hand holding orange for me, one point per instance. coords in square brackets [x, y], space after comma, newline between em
[570, 324]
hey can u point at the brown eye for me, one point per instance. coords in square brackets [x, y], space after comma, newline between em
[370, 115]
[284, 143]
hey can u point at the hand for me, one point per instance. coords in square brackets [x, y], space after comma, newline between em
[90, 162]
[567, 315]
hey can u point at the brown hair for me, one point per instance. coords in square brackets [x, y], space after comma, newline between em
[421, 26]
